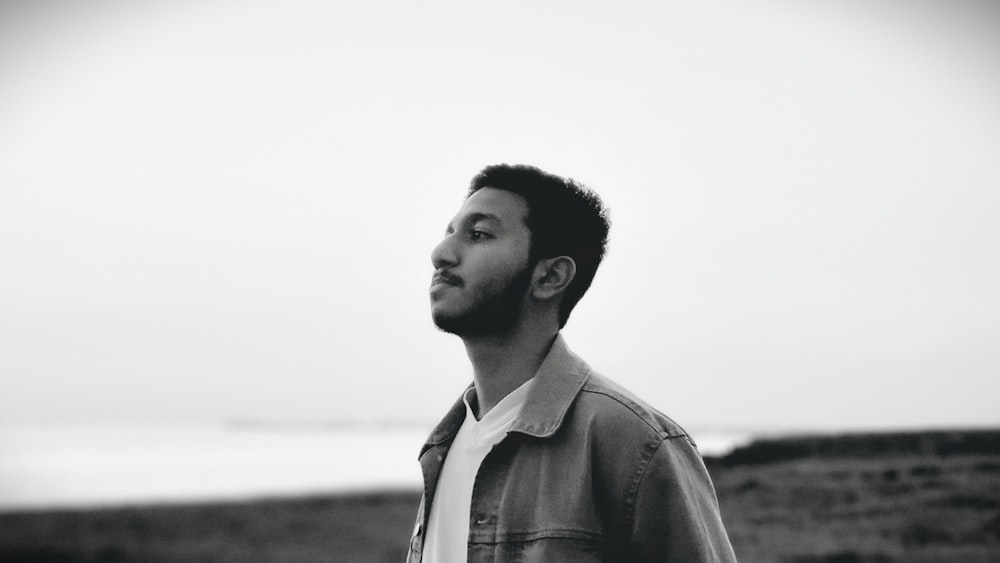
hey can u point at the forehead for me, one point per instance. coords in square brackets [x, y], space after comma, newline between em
[509, 208]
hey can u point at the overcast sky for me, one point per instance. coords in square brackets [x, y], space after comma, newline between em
[217, 210]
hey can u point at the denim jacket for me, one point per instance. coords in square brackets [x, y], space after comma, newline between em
[587, 473]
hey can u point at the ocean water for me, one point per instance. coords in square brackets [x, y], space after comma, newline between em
[75, 466]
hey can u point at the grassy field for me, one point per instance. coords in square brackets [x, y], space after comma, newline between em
[874, 498]
[893, 509]
[362, 527]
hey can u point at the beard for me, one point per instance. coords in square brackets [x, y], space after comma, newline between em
[494, 310]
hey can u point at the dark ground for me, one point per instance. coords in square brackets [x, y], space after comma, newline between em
[873, 498]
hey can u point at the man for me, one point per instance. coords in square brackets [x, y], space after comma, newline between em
[541, 459]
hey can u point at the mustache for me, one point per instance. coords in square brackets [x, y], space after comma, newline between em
[444, 276]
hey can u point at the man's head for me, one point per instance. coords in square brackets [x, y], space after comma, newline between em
[520, 230]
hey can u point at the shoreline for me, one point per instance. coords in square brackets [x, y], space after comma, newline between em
[900, 507]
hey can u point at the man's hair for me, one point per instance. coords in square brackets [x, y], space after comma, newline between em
[565, 219]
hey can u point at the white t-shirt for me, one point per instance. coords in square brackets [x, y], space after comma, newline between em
[448, 524]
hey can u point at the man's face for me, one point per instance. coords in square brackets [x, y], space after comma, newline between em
[481, 267]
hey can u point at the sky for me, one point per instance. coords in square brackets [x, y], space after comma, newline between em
[225, 210]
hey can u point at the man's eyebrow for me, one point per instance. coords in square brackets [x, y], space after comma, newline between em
[478, 216]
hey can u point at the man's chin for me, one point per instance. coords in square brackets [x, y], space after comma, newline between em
[471, 326]
[448, 323]
[458, 324]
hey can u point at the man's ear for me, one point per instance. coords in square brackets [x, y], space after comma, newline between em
[552, 276]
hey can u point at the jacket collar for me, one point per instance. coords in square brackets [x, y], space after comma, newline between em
[557, 383]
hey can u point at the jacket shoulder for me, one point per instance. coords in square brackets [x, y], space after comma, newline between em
[604, 401]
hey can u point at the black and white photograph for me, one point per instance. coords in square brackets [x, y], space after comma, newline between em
[468, 282]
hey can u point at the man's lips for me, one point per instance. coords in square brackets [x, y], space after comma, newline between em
[445, 278]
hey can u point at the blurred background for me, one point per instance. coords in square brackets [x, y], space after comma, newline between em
[216, 219]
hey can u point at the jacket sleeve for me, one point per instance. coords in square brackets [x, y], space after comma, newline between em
[675, 513]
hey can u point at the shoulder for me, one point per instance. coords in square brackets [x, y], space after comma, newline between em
[638, 456]
[613, 408]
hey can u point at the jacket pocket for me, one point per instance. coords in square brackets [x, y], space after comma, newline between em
[542, 547]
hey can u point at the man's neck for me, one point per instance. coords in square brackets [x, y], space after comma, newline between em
[503, 363]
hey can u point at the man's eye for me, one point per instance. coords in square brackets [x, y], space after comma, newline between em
[476, 234]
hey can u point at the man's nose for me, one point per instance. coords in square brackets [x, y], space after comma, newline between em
[444, 254]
